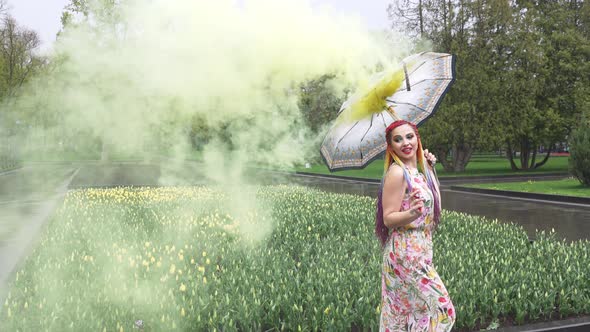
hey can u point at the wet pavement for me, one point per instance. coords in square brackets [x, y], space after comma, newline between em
[28, 197]
[570, 221]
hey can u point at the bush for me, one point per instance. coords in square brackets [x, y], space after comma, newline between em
[579, 162]
[8, 155]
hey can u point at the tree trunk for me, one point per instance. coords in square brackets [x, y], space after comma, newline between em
[536, 147]
[441, 155]
[524, 154]
[461, 155]
[104, 154]
[537, 165]
[510, 156]
[421, 18]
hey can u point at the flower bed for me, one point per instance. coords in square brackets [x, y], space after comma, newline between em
[192, 258]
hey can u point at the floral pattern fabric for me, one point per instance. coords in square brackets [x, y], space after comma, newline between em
[413, 297]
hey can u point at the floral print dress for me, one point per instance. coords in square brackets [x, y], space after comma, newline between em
[413, 297]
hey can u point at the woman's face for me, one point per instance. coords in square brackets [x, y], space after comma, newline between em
[404, 142]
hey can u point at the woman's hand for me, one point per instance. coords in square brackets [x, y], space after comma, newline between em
[416, 203]
[430, 158]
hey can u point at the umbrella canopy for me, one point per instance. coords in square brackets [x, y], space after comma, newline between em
[411, 93]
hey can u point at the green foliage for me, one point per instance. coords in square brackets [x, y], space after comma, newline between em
[8, 158]
[18, 60]
[579, 161]
[200, 131]
[522, 79]
[319, 103]
[566, 187]
[96, 13]
[179, 260]
[495, 166]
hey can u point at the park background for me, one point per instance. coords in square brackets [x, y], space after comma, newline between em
[519, 105]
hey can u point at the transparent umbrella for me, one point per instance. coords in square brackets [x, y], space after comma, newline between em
[412, 93]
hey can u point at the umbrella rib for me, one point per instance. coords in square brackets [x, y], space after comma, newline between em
[370, 126]
[385, 123]
[365, 134]
[383, 119]
[352, 127]
[399, 103]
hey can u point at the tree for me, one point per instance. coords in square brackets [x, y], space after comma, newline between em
[410, 16]
[100, 14]
[466, 119]
[3, 8]
[548, 75]
[522, 75]
[18, 60]
[319, 103]
[102, 19]
[18, 64]
[579, 162]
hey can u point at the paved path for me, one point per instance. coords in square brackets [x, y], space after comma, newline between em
[571, 221]
[24, 210]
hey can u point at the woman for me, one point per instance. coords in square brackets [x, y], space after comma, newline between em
[408, 210]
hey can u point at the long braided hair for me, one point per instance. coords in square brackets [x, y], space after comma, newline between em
[381, 231]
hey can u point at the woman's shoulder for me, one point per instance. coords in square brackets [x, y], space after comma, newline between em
[394, 180]
[395, 172]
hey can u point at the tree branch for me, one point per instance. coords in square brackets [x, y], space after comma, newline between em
[537, 165]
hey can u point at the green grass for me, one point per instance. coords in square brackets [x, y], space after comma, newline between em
[476, 167]
[566, 187]
[190, 258]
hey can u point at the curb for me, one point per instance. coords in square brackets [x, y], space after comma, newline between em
[339, 177]
[446, 178]
[518, 194]
[11, 170]
[557, 199]
[579, 324]
[506, 176]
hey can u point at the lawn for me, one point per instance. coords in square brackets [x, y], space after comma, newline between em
[284, 258]
[566, 187]
[478, 166]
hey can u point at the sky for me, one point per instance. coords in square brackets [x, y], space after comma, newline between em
[44, 16]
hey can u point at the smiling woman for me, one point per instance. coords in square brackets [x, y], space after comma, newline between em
[413, 295]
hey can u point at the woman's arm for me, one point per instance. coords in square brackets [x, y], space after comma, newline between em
[394, 187]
